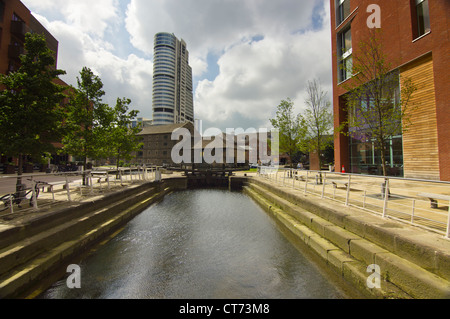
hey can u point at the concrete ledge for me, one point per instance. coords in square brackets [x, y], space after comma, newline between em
[428, 250]
[365, 251]
[352, 270]
[340, 237]
[414, 280]
[58, 245]
[350, 253]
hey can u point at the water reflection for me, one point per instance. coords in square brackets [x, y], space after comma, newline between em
[199, 244]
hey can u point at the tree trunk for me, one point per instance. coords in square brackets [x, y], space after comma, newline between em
[383, 159]
[84, 171]
[117, 164]
[19, 173]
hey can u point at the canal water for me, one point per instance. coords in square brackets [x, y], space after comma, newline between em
[201, 244]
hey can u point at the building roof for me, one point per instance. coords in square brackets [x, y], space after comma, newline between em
[164, 129]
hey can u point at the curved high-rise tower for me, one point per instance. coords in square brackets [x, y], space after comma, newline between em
[173, 100]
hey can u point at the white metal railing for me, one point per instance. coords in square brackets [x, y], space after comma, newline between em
[31, 195]
[422, 203]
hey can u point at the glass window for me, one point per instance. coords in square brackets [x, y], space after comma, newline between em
[2, 10]
[345, 54]
[423, 17]
[343, 10]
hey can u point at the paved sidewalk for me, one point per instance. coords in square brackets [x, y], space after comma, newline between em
[404, 202]
[48, 201]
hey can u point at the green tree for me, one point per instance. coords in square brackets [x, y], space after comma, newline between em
[318, 120]
[379, 99]
[123, 141]
[290, 126]
[88, 119]
[30, 105]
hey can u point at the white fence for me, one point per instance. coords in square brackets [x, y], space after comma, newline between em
[421, 203]
[40, 190]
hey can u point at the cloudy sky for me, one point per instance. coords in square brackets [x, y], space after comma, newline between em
[246, 55]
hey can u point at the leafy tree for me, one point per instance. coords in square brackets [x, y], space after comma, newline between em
[30, 104]
[122, 138]
[318, 120]
[291, 128]
[88, 119]
[379, 99]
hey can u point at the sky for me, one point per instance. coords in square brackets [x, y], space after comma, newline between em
[246, 55]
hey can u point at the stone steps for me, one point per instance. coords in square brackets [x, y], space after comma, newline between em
[348, 253]
[25, 262]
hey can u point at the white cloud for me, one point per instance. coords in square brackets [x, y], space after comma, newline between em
[92, 17]
[129, 77]
[213, 25]
[255, 77]
[266, 50]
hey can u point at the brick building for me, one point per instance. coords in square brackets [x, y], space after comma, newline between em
[16, 21]
[416, 39]
[158, 143]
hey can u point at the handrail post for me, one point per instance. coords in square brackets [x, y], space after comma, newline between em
[33, 190]
[323, 185]
[90, 181]
[306, 182]
[68, 188]
[293, 178]
[448, 223]
[347, 200]
[386, 196]
[364, 201]
[11, 203]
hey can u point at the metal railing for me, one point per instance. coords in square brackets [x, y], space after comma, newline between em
[38, 190]
[421, 203]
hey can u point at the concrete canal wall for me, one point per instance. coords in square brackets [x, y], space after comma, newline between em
[412, 263]
[32, 250]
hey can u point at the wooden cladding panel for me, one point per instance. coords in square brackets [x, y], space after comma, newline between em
[420, 140]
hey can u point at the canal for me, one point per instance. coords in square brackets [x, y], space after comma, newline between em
[201, 244]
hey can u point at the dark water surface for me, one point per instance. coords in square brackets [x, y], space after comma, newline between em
[202, 244]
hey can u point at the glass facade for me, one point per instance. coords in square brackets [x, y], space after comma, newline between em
[366, 159]
[364, 125]
[172, 81]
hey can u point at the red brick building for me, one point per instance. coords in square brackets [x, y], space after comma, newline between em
[416, 39]
[16, 20]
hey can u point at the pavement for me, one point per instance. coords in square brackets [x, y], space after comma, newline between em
[404, 202]
[59, 198]
[365, 192]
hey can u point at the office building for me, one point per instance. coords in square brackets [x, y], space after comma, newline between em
[173, 100]
[16, 21]
[415, 38]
